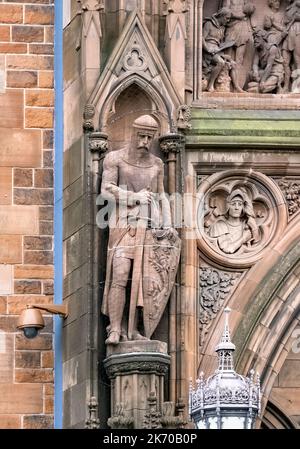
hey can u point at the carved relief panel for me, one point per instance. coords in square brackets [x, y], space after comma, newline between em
[239, 215]
[251, 46]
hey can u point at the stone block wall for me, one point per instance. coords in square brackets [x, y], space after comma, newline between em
[26, 209]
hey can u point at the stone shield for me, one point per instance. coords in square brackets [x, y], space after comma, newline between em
[160, 264]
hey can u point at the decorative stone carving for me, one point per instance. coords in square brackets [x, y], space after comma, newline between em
[215, 286]
[152, 418]
[215, 60]
[141, 238]
[236, 39]
[267, 71]
[239, 27]
[167, 418]
[238, 216]
[136, 370]
[98, 143]
[175, 6]
[171, 143]
[291, 191]
[88, 115]
[291, 47]
[89, 11]
[135, 60]
[93, 421]
[183, 117]
[119, 420]
[171, 420]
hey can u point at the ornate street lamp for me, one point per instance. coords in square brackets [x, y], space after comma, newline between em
[226, 400]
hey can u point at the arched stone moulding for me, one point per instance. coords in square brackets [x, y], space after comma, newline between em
[265, 311]
[265, 195]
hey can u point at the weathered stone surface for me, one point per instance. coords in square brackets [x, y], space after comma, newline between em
[38, 257]
[41, 243]
[46, 228]
[22, 33]
[48, 139]
[34, 272]
[6, 279]
[43, 178]
[4, 33]
[27, 287]
[11, 13]
[28, 359]
[48, 288]
[12, 112]
[47, 359]
[10, 249]
[16, 303]
[21, 398]
[48, 158]
[41, 49]
[6, 357]
[5, 185]
[16, 78]
[38, 118]
[30, 375]
[40, 98]
[41, 342]
[20, 148]
[13, 48]
[46, 213]
[46, 80]
[31, 62]
[10, 421]
[19, 220]
[23, 177]
[38, 422]
[33, 196]
[39, 14]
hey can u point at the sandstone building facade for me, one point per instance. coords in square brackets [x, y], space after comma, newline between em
[221, 81]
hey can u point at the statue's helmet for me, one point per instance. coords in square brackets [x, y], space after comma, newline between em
[145, 124]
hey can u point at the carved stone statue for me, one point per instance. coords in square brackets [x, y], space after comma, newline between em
[291, 45]
[143, 247]
[214, 58]
[268, 70]
[239, 30]
[237, 227]
[274, 23]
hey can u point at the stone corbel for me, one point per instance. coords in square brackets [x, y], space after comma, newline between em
[98, 143]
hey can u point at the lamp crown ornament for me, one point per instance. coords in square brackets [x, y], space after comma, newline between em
[225, 400]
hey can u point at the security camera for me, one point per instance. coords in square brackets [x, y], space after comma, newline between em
[31, 320]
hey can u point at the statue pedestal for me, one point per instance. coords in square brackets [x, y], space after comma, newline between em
[137, 370]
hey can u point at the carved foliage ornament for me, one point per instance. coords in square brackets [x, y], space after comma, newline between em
[215, 286]
[238, 216]
[291, 191]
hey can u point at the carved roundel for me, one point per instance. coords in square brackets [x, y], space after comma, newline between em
[239, 216]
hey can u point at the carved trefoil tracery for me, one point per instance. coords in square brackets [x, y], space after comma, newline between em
[215, 286]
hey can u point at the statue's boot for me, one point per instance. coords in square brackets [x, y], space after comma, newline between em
[116, 309]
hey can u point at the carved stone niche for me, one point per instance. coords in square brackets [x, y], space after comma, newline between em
[239, 215]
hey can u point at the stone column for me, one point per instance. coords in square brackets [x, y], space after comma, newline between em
[171, 144]
[136, 370]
